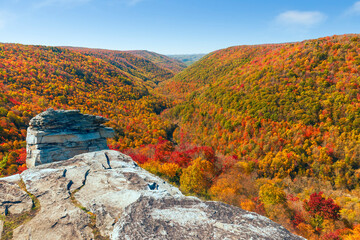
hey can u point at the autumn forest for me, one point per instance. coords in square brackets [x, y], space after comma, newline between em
[273, 129]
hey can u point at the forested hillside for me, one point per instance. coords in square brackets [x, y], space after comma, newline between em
[163, 61]
[34, 78]
[150, 67]
[273, 128]
[286, 116]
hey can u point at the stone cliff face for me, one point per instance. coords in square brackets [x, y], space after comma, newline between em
[106, 195]
[56, 135]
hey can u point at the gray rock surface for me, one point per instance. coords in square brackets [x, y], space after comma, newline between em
[56, 135]
[126, 202]
[13, 200]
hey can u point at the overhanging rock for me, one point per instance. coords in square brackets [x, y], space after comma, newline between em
[56, 135]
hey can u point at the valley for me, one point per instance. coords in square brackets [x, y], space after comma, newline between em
[273, 129]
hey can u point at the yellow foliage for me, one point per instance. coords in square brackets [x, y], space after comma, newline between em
[244, 166]
[328, 226]
[197, 177]
[355, 234]
[151, 166]
[248, 205]
[348, 214]
[226, 194]
[169, 169]
[306, 230]
[279, 165]
[270, 194]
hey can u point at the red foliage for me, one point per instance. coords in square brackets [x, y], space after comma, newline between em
[13, 101]
[163, 150]
[183, 159]
[331, 236]
[297, 219]
[318, 205]
[22, 156]
[115, 147]
[292, 198]
[22, 168]
[259, 206]
[330, 151]
[139, 158]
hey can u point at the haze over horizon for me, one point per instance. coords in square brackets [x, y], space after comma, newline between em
[172, 27]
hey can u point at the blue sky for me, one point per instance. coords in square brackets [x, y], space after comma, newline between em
[173, 26]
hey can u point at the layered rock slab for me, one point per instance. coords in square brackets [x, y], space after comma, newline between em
[56, 135]
[122, 196]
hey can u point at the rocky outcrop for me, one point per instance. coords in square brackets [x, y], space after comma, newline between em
[106, 195]
[56, 135]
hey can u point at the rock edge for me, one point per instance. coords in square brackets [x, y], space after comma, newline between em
[110, 187]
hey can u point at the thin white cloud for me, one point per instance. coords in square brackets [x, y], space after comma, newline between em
[354, 9]
[300, 18]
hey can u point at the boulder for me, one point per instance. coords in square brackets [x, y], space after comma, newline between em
[108, 194]
[56, 135]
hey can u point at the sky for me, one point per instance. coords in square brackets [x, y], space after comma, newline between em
[173, 26]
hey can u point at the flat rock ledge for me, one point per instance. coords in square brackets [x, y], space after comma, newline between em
[108, 193]
[56, 135]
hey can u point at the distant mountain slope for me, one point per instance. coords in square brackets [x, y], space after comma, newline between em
[150, 70]
[325, 61]
[34, 78]
[314, 82]
[161, 60]
[188, 59]
[287, 116]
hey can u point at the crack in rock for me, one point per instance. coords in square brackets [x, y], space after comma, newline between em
[69, 185]
[103, 166]
[14, 202]
[76, 203]
[13, 221]
[108, 160]
[64, 172]
[85, 177]
[6, 212]
[54, 224]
